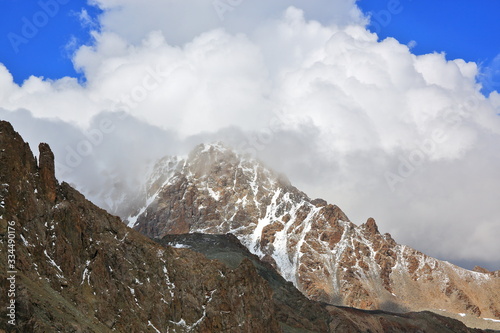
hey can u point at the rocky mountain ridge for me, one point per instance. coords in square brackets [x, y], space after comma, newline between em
[310, 242]
[79, 269]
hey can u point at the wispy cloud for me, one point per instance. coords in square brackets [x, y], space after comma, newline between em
[87, 21]
[490, 75]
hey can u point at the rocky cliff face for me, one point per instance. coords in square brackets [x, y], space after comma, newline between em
[293, 308]
[310, 242]
[80, 269]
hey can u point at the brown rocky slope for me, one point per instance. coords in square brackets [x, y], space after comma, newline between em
[79, 269]
[310, 242]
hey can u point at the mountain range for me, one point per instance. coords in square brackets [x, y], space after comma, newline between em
[219, 243]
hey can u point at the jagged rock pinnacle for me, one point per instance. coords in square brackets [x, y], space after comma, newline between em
[371, 226]
[47, 172]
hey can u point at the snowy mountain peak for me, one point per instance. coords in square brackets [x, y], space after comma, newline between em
[310, 242]
[212, 148]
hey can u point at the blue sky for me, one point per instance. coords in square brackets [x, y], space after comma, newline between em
[464, 29]
[461, 28]
[37, 37]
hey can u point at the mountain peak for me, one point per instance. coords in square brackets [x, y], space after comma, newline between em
[221, 156]
[215, 147]
[371, 226]
[310, 242]
[6, 126]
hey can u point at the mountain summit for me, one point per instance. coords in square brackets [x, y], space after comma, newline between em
[310, 242]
